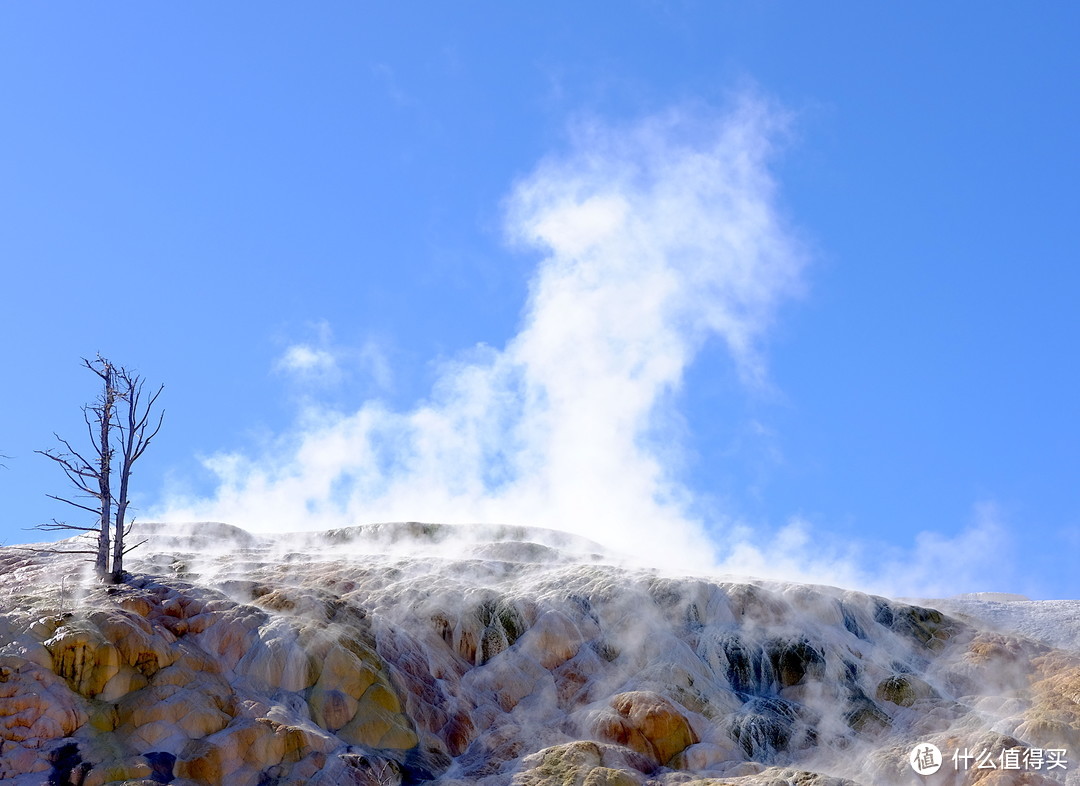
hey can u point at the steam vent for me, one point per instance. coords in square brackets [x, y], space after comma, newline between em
[417, 653]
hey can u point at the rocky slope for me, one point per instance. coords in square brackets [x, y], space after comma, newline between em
[421, 653]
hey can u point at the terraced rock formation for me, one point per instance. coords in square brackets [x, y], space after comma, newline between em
[420, 653]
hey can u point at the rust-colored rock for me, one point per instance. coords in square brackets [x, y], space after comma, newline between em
[647, 723]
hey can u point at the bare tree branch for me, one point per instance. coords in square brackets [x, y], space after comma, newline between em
[75, 473]
[132, 548]
[54, 551]
[74, 505]
[59, 525]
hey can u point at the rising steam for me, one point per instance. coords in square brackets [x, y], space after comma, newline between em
[657, 236]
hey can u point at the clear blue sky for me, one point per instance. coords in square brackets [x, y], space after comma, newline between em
[302, 220]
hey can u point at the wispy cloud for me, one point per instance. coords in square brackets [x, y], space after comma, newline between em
[315, 357]
[387, 76]
[978, 558]
[935, 565]
[321, 362]
[306, 359]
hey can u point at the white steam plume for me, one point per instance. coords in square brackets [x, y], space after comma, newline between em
[657, 236]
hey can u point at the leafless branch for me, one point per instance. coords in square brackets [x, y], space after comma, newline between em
[55, 525]
[132, 548]
[54, 551]
[78, 474]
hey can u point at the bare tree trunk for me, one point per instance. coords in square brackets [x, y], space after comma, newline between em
[92, 475]
[118, 532]
[101, 564]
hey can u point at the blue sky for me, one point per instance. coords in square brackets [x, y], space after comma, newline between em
[789, 289]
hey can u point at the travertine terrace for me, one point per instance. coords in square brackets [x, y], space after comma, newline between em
[412, 653]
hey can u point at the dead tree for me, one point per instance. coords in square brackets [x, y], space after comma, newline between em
[118, 426]
[91, 477]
